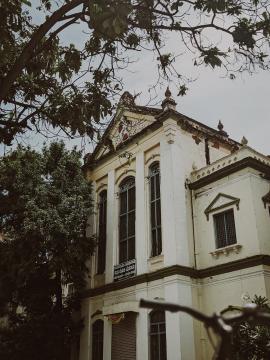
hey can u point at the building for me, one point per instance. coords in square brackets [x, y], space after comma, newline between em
[182, 214]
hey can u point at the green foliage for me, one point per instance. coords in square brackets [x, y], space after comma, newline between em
[45, 80]
[44, 206]
[251, 341]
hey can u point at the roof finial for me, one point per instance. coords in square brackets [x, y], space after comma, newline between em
[127, 99]
[168, 103]
[220, 129]
[244, 141]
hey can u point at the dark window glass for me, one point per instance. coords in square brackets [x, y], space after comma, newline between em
[97, 340]
[157, 336]
[155, 210]
[225, 228]
[127, 220]
[102, 218]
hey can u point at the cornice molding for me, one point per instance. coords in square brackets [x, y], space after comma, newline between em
[180, 270]
[230, 169]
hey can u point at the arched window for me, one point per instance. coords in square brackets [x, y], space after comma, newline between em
[102, 225]
[155, 211]
[127, 220]
[97, 340]
[157, 336]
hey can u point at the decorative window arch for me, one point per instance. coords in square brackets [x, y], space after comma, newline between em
[97, 340]
[102, 231]
[127, 205]
[155, 209]
[157, 334]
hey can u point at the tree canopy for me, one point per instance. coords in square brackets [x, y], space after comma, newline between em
[44, 206]
[44, 79]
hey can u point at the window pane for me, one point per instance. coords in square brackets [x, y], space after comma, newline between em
[220, 230]
[158, 185]
[153, 215]
[123, 202]
[122, 251]
[123, 227]
[152, 188]
[154, 243]
[230, 227]
[131, 199]
[158, 212]
[159, 241]
[157, 336]
[131, 223]
[225, 228]
[163, 352]
[131, 248]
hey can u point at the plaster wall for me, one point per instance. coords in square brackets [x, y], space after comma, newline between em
[238, 185]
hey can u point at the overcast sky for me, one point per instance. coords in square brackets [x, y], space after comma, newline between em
[243, 104]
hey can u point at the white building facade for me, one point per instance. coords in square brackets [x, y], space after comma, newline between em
[181, 215]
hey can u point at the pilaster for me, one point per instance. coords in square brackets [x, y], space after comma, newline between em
[107, 342]
[141, 243]
[111, 230]
[173, 197]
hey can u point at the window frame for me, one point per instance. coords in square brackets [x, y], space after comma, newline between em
[101, 246]
[155, 206]
[97, 342]
[126, 188]
[218, 242]
[158, 335]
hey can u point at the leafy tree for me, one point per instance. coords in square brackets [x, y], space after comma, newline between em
[43, 78]
[251, 341]
[44, 205]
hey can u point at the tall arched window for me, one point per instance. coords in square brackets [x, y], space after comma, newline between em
[157, 336]
[127, 220]
[102, 224]
[155, 211]
[97, 340]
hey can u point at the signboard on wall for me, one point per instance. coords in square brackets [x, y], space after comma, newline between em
[125, 270]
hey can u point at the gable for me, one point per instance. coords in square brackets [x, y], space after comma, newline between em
[125, 125]
[221, 201]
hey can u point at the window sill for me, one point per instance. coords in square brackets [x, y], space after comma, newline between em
[235, 248]
[156, 262]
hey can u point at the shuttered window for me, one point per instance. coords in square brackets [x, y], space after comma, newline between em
[124, 338]
[97, 340]
[157, 336]
[225, 228]
[155, 211]
[102, 220]
[127, 220]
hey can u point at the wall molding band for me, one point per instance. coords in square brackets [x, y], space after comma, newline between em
[230, 169]
[180, 270]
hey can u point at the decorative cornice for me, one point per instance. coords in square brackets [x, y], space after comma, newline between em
[230, 169]
[180, 270]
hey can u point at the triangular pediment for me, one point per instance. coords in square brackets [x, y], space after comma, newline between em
[221, 201]
[124, 126]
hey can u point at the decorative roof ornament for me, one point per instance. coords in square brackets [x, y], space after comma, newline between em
[127, 99]
[168, 103]
[220, 129]
[244, 141]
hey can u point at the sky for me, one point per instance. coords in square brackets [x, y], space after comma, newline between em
[243, 104]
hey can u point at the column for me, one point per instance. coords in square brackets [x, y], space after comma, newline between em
[91, 231]
[107, 339]
[173, 201]
[142, 337]
[179, 326]
[141, 243]
[111, 227]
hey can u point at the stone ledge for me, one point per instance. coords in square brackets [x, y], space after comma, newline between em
[235, 248]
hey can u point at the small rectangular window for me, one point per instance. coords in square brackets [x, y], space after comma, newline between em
[225, 228]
